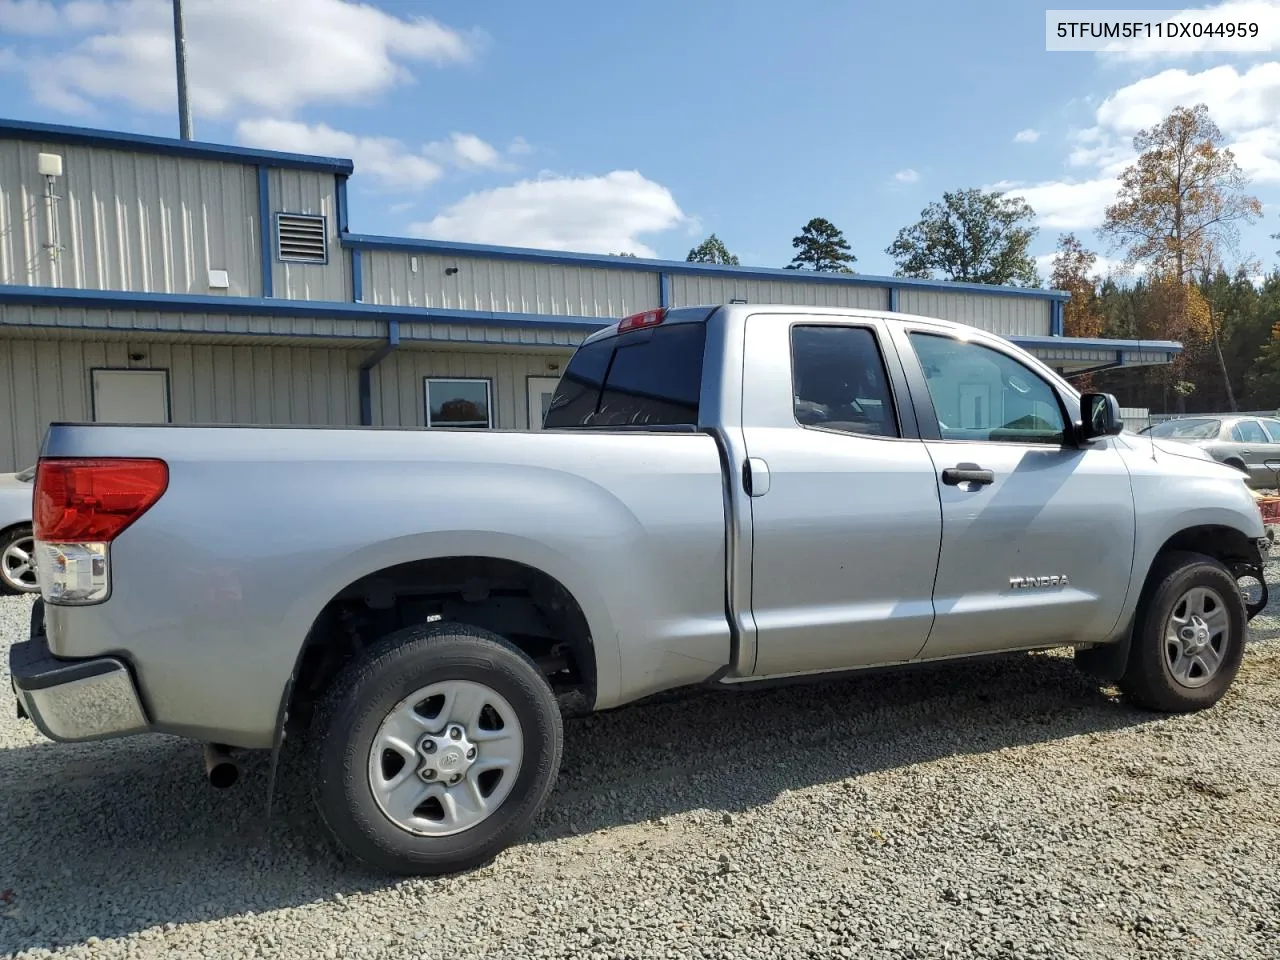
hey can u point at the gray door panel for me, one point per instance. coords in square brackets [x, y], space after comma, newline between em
[1047, 512]
[846, 538]
[1040, 510]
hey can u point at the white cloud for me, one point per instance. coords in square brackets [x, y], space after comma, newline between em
[604, 214]
[385, 159]
[519, 147]
[1026, 136]
[1103, 267]
[465, 150]
[906, 176]
[33, 17]
[1265, 13]
[269, 55]
[1245, 105]
[1065, 204]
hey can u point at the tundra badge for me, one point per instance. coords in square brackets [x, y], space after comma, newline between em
[1028, 583]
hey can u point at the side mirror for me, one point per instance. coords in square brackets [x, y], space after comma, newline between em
[1100, 416]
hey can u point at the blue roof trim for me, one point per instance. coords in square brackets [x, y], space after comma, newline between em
[567, 258]
[278, 307]
[144, 143]
[1090, 343]
[242, 306]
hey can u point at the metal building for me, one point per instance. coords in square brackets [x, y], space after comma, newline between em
[148, 279]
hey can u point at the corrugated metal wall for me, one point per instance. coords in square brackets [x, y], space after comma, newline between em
[505, 286]
[689, 290]
[306, 191]
[399, 397]
[46, 380]
[129, 221]
[1003, 315]
[77, 318]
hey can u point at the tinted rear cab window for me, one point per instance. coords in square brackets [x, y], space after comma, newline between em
[650, 377]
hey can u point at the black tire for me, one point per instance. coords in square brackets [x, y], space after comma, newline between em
[1148, 679]
[348, 717]
[8, 538]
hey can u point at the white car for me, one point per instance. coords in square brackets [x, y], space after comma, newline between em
[17, 553]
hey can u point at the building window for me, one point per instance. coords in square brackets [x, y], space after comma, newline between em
[301, 238]
[459, 403]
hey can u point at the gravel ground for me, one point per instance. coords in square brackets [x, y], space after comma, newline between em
[1004, 809]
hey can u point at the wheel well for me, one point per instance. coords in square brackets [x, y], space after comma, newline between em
[1225, 544]
[527, 607]
[1235, 462]
[5, 531]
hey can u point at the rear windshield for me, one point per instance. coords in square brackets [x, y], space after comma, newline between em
[644, 378]
[1186, 429]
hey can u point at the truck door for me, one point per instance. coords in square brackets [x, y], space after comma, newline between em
[844, 505]
[1037, 534]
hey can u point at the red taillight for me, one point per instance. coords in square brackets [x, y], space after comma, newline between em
[81, 500]
[650, 318]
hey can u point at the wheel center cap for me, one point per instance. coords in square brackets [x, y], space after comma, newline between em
[446, 756]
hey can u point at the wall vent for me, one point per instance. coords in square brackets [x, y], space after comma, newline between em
[301, 238]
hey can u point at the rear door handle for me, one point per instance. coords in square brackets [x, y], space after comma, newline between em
[755, 477]
[967, 473]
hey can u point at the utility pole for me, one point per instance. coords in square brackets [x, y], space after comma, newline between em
[180, 51]
[1217, 346]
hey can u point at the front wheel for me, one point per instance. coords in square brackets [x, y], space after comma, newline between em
[1189, 636]
[435, 750]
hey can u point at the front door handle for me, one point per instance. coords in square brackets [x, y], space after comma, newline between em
[967, 473]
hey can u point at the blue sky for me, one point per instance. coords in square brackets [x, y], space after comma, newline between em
[643, 127]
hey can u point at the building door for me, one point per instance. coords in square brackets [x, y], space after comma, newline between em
[541, 390]
[131, 396]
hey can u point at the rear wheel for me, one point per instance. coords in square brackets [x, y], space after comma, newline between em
[17, 561]
[1238, 464]
[435, 750]
[1189, 636]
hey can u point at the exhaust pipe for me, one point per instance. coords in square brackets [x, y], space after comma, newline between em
[219, 766]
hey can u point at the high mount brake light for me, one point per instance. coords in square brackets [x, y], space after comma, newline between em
[650, 318]
[80, 500]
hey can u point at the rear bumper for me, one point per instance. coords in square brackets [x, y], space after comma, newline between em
[73, 700]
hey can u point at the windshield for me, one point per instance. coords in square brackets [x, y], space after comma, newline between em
[1186, 429]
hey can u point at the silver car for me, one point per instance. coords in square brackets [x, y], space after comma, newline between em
[1250, 444]
[17, 547]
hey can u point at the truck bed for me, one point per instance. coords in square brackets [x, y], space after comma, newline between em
[260, 527]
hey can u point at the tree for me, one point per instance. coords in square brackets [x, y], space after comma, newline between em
[1178, 207]
[980, 237]
[1073, 271]
[1182, 199]
[821, 247]
[711, 250]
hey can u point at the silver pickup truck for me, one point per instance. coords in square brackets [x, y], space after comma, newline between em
[723, 495]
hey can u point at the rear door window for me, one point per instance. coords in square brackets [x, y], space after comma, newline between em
[1273, 429]
[643, 378]
[1248, 431]
[840, 381]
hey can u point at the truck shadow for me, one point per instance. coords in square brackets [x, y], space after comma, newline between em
[129, 832]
